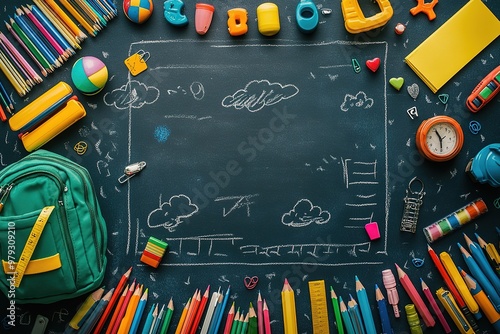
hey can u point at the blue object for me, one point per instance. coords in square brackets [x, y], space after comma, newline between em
[173, 10]
[149, 320]
[485, 166]
[307, 16]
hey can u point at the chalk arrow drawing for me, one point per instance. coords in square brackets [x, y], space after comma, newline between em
[305, 213]
[259, 93]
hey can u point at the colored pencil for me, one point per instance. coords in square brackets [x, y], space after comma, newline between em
[234, 326]
[382, 310]
[183, 317]
[354, 313]
[3, 117]
[288, 306]
[128, 316]
[346, 317]
[430, 298]
[13, 76]
[239, 324]
[123, 308]
[193, 308]
[68, 22]
[252, 321]
[364, 306]
[116, 294]
[28, 68]
[155, 327]
[168, 317]
[200, 311]
[336, 311]
[92, 299]
[79, 17]
[482, 261]
[215, 316]
[260, 317]
[220, 312]
[244, 325]
[149, 319]
[491, 252]
[17, 64]
[6, 98]
[415, 298]
[210, 312]
[118, 307]
[89, 324]
[138, 312]
[483, 301]
[267, 320]
[229, 320]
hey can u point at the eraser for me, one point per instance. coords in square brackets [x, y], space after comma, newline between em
[372, 230]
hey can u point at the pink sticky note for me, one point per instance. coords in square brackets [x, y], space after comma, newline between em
[372, 230]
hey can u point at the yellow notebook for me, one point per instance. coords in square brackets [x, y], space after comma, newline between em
[437, 59]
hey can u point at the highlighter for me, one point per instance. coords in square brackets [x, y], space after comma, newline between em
[451, 307]
[392, 293]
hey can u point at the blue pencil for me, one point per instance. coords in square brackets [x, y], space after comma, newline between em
[345, 316]
[149, 320]
[96, 314]
[158, 320]
[382, 310]
[50, 27]
[6, 96]
[32, 31]
[220, 312]
[364, 305]
[478, 255]
[357, 322]
[138, 312]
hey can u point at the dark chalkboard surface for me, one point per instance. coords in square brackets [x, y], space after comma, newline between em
[266, 156]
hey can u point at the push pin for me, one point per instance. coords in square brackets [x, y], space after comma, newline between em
[131, 170]
[400, 28]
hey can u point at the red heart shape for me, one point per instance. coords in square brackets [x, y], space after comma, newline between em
[373, 64]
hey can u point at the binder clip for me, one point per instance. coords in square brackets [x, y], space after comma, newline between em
[136, 63]
[131, 170]
[47, 116]
[413, 202]
[356, 22]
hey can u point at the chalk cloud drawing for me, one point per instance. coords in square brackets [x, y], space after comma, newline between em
[305, 213]
[133, 94]
[172, 213]
[360, 100]
[259, 93]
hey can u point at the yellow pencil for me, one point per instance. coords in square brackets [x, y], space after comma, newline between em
[288, 306]
[85, 307]
[17, 86]
[130, 312]
[66, 19]
[183, 317]
[69, 7]
[13, 70]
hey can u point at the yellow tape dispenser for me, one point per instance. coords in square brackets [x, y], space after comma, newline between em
[355, 20]
[47, 116]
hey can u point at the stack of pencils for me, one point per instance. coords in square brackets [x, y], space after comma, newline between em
[251, 323]
[48, 36]
[5, 103]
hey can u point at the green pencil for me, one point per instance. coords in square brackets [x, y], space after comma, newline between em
[244, 326]
[234, 327]
[336, 310]
[168, 317]
[252, 321]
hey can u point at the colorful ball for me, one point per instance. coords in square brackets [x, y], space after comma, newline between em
[138, 11]
[89, 75]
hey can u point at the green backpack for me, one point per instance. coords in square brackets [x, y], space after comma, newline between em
[52, 233]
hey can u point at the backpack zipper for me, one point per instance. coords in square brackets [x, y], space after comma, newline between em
[60, 201]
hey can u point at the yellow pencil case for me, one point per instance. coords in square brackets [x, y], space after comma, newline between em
[47, 116]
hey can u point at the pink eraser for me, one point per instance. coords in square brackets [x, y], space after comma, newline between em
[203, 17]
[372, 230]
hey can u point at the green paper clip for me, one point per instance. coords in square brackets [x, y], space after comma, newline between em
[355, 65]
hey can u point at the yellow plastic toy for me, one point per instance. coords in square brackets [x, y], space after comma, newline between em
[268, 19]
[237, 21]
[356, 22]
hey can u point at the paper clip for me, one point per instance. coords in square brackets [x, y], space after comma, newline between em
[136, 63]
[355, 65]
[250, 282]
[131, 170]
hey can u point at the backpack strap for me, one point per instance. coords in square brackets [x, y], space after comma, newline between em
[31, 243]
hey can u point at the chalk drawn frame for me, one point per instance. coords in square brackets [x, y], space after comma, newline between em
[133, 228]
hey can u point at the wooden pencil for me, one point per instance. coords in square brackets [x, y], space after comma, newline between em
[229, 320]
[267, 320]
[126, 321]
[183, 317]
[200, 311]
[288, 305]
[195, 302]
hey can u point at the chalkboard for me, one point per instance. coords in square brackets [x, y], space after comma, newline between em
[266, 157]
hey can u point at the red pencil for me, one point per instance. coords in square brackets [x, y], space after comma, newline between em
[3, 117]
[123, 308]
[111, 304]
[267, 322]
[193, 308]
[229, 321]
[201, 308]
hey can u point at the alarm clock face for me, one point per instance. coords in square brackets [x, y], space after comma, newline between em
[441, 139]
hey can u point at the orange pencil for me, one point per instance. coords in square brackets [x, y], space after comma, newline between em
[183, 317]
[201, 308]
[123, 308]
[111, 304]
[193, 308]
[130, 312]
[117, 310]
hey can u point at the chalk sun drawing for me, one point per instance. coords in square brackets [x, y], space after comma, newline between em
[304, 213]
[133, 94]
[360, 100]
[161, 133]
[172, 213]
[259, 93]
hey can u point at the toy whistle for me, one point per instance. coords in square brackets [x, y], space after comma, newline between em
[306, 14]
[237, 21]
[203, 17]
[173, 11]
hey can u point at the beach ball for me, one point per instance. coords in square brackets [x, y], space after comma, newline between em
[138, 11]
[89, 75]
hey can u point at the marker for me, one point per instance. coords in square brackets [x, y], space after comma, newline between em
[451, 307]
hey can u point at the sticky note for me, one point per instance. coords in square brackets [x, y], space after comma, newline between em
[437, 59]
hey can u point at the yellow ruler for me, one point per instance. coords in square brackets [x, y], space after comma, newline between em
[319, 309]
[30, 245]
